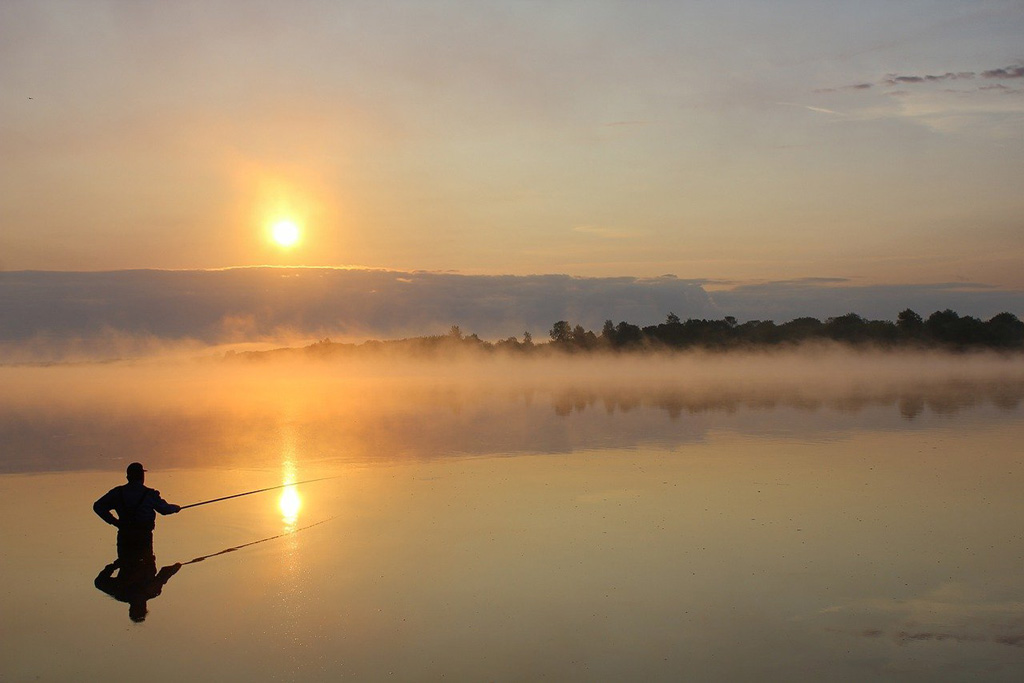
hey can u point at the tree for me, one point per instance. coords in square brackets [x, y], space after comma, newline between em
[909, 322]
[561, 332]
[627, 335]
[758, 332]
[941, 325]
[1005, 330]
[582, 338]
[671, 319]
[608, 333]
[800, 329]
[849, 327]
[527, 339]
[579, 336]
[509, 343]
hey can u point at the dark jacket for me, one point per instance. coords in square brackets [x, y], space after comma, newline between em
[136, 506]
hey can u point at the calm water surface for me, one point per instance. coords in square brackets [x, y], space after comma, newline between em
[518, 530]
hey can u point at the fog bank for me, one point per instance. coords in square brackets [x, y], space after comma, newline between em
[46, 316]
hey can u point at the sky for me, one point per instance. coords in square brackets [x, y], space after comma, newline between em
[736, 141]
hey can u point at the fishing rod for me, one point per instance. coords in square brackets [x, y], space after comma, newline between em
[249, 493]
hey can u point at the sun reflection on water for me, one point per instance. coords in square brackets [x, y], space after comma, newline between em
[290, 503]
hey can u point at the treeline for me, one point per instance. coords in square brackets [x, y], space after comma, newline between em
[945, 329]
[942, 329]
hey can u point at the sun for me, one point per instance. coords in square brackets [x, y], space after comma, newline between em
[285, 232]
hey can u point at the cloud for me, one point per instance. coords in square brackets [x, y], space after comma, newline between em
[893, 79]
[252, 304]
[1008, 72]
[967, 105]
[820, 110]
[855, 86]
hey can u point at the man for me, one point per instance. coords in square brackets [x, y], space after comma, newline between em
[136, 506]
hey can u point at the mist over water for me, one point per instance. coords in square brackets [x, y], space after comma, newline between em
[184, 412]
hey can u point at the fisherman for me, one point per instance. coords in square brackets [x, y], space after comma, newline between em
[136, 506]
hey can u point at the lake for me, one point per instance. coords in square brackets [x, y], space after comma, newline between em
[770, 517]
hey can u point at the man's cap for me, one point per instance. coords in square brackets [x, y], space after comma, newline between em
[135, 470]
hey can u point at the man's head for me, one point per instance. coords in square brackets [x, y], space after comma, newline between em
[135, 472]
[137, 611]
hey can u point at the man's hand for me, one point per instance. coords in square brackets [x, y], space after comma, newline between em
[175, 508]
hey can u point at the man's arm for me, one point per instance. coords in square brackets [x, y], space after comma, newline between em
[104, 505]
[162, 506]
[105, 580]
[165, 574]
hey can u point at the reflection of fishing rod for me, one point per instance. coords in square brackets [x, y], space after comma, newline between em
[249, 493]
[262, 540]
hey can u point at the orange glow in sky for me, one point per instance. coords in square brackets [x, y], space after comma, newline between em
[623, 143]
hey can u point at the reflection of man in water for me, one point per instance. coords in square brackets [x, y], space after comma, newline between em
[136, 506]
[137, 579]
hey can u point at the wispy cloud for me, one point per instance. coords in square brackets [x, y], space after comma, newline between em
[968, 102]
[819, 110]
[1008, 72]
[894, 79]
[822, 110]
[1014, 71]
[855, 86]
